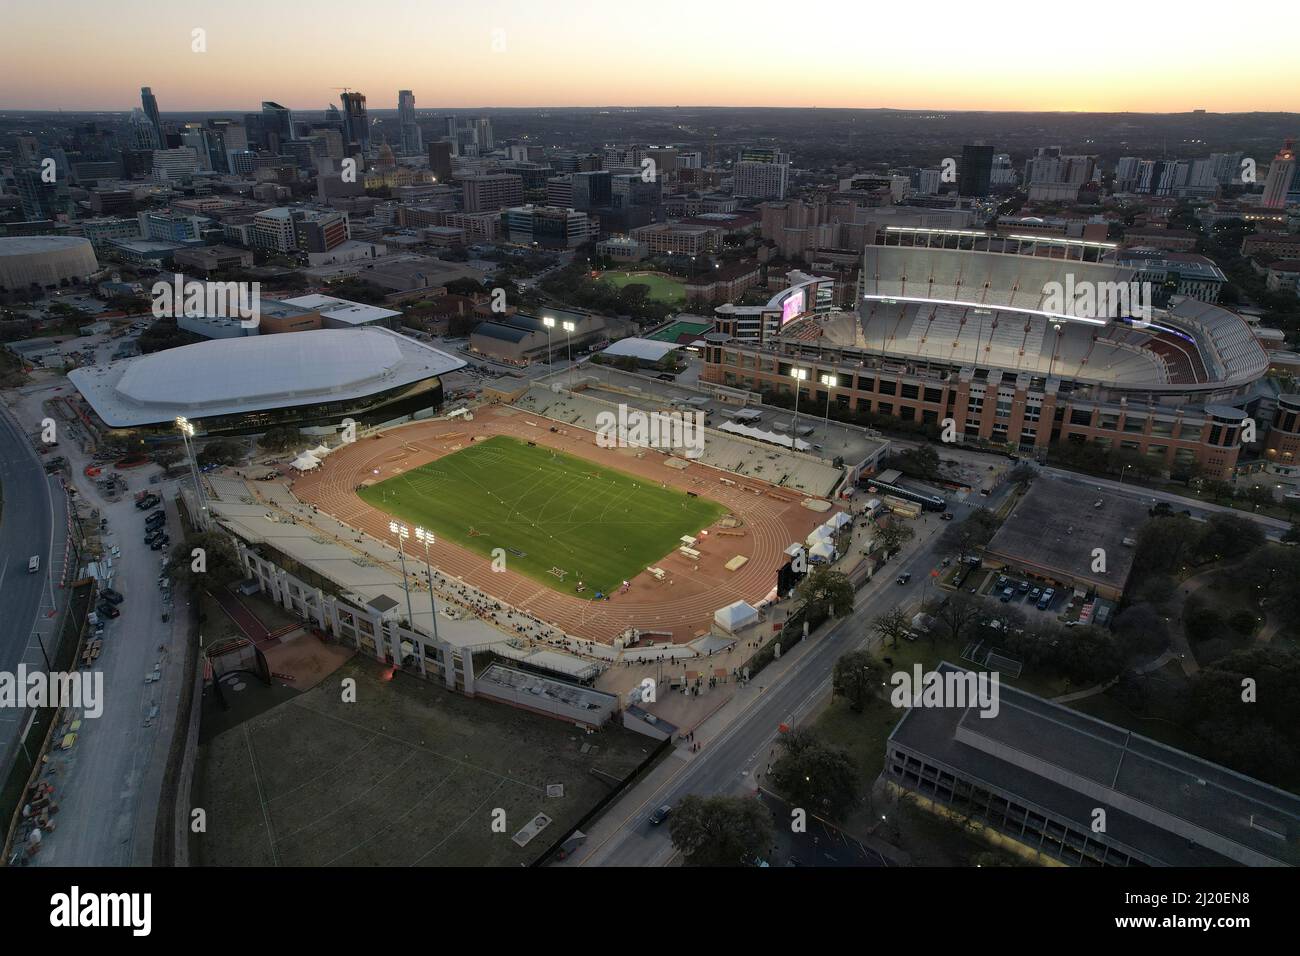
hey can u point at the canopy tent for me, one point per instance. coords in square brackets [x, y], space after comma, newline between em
[840, 520]
[735, 616]
[320, 451]
[822, 551]
[304, 462]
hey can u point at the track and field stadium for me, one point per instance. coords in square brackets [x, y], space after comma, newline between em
[416, 473]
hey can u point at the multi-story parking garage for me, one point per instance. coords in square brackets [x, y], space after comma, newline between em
[976, 335]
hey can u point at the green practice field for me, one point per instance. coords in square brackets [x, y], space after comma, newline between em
[662, 288]
[547, 510]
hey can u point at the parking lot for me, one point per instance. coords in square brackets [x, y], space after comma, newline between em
[1010, 589]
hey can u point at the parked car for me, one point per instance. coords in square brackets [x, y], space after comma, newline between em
[1007, 595]
[904, 578]
[1023, 587]
[1045, 601]
[946, 516]
[105, 609]
[1035, 594]
[660, 815]
[159, 543]
[111, 596]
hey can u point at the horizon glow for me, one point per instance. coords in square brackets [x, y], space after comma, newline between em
[1018, 56]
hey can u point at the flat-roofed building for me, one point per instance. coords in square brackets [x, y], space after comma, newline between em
[671, 238]
[488, 191]
[1053, 533]
[1035, 773]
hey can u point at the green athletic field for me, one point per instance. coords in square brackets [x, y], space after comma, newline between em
[662, 288]
[547, 510]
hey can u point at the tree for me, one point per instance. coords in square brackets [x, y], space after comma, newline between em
[223, 451]
[892, 625]
[721, 831]
[856, 676]
[894, 535]
[281, 438]
[219, 560]
[825, 591]
[957, 612]
[1164, 544]
[1228, 536]
[814, 775]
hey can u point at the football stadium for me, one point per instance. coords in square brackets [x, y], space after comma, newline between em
[984, 331]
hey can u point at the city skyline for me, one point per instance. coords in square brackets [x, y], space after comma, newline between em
[502, 55]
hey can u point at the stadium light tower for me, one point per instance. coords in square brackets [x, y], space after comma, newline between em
[1056, 347]
[403, 532]
[830, 381]
[549, 322]
[569, 329]
[800, 375]
[426, 538]
[186, 428]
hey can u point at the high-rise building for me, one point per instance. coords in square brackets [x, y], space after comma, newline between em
[976, 170]
[763, 154]
[411, 139]
[277, 124]
[492, 191]
[759, 179]
[1280, 174]
[178, 163]
[440, 161]
[41, 199]
[142, 133]
[591, 190]
[150, 105]
[550, 227]
[356, 122]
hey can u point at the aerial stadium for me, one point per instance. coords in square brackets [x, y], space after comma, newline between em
[982, 330]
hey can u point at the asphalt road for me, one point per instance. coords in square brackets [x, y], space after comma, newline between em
[726, 764]
[26, 528]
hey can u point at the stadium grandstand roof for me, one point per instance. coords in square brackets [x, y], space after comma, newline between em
[248, 373]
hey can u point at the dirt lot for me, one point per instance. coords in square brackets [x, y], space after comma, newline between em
[408, 774]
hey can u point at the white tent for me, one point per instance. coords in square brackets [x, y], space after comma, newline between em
[320, 451]
[840, 520]
[819, 533]
[735, 616]
[823, 550]
[304, 462]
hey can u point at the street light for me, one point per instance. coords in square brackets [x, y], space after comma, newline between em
[426, 537]
[830, 381]
[186, 428]
[569, 329]
[799, 375]
[549, 322]
[402, 532]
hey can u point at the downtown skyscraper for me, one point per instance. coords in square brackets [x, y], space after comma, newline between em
[412, 142]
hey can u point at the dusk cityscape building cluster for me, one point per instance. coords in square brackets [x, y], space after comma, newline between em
[645, 485]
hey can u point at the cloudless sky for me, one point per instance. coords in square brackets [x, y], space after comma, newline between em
[922, 54]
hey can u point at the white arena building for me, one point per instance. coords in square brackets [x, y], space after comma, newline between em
[248, 384]
[44, 261]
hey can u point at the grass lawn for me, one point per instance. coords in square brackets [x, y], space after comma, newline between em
[547, 510]
[662, 288]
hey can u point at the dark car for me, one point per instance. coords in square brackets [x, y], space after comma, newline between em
[904, 577]
[151, 522]
[660, 815]
[107, 610]
[159, 543]
[946, 516]
[111, 596]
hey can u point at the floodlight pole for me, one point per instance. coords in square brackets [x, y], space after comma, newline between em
[798, 374]
[401, 531]
[427, 538]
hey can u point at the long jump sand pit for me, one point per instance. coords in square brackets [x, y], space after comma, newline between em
[408, 775]
[681, 603]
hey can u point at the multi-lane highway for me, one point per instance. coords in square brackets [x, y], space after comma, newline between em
[27, 528]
